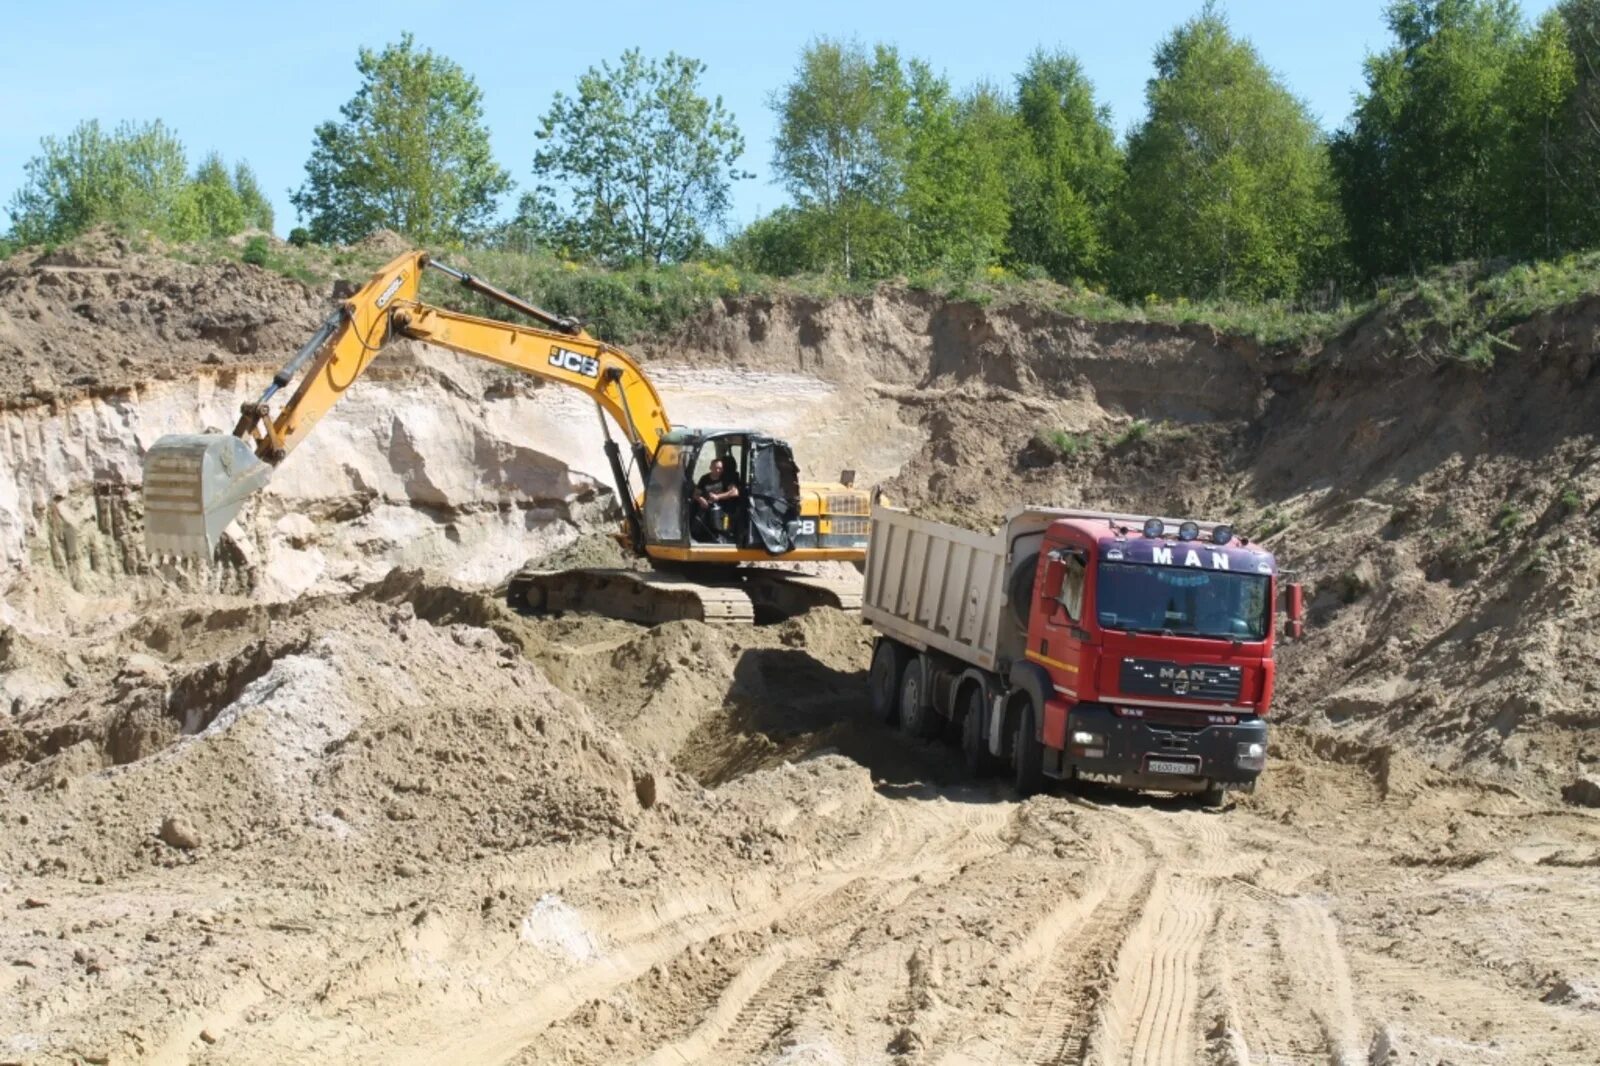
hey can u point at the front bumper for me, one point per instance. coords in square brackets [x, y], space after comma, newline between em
[1125, 747]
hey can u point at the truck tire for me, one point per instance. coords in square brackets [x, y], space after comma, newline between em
[1214, 798]
[889, 660]
[1027, 753]
[975, 756]
[916, 715]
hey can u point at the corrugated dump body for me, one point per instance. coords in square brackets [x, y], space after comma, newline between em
[936, 586]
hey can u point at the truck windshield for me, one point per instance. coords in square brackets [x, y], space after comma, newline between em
[1143, 598]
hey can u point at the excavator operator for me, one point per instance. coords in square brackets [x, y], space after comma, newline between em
[714, 497]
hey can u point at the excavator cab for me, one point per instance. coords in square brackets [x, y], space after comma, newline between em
[766, 519]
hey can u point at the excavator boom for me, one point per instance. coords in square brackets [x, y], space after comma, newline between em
[196, 484]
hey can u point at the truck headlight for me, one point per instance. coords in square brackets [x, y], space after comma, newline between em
[1088, 740]
[1251, 756]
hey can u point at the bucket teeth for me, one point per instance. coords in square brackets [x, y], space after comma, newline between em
[193, 487]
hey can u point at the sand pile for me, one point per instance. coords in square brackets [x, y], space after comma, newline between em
[227, 802]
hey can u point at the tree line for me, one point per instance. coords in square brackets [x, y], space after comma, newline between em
[135, 174]
[1475, 134]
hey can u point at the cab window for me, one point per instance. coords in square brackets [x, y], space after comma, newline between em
[1072, 583]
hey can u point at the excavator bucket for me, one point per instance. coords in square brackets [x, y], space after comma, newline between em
[193, 486]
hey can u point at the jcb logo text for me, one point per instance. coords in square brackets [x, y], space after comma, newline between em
[574, 363]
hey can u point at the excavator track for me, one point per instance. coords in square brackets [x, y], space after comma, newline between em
[743, 596]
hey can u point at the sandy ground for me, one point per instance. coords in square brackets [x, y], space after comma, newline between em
[307, 807]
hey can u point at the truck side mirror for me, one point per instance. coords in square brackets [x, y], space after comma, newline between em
[1297, 608]
[1055, 572]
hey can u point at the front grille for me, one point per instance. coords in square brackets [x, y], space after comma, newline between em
[1205, 681]
[848, 527]
[838, 503]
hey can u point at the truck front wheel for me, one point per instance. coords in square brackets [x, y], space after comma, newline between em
[888, 665]
[1027, 753]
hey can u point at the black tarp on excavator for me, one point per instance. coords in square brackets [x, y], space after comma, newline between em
[773, 480]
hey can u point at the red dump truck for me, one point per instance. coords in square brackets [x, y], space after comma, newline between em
[1079, 645]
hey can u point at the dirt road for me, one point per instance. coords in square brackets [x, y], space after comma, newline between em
[956, 925]
[456, 862]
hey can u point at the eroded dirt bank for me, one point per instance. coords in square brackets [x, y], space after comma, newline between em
[306, 806]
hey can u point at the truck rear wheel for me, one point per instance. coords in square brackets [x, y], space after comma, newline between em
[889, 660]
[1027, 753]
[916, 717]
[975, 756]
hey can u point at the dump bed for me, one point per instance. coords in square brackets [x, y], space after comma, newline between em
[935, 586]
[938, 587]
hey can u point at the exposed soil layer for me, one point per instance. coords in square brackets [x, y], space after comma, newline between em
[330, 800]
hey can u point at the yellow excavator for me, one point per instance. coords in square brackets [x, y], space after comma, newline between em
[194, 485]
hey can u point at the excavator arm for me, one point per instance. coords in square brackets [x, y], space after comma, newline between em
[194, 485]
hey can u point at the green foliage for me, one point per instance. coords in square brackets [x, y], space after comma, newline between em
[618, 305]
[257, 208]
[1464, 313]
[1508, 518]
[133, 176]
[1476, 136]
[841, 152]
[299, 236]
[1066, 443]
[1066, 170]
[255, 251]
[637, 166]
[1571, 502]
[1577, 148]
[1272, 522]
[411, 153]
[210, 206]
[1228, 188]
[1416, 165]
[1137, 431]
[781, 244]
[955, 196]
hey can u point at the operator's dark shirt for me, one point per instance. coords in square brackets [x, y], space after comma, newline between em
[709, 483]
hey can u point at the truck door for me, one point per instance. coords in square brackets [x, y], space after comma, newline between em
[1060, 636]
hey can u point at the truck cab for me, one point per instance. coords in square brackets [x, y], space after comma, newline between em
[1150, 653]
[1080, 645]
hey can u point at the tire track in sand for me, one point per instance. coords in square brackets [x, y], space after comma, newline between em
[1256, 991]
[1076, 945]
[771, 990]
[1060, 1014]
[1149, 1017]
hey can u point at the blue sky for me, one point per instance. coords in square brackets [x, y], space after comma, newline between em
[252, 80]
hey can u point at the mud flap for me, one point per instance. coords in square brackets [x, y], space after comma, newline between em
[193, 487]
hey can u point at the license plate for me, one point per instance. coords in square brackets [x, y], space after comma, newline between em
[1173, 766]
